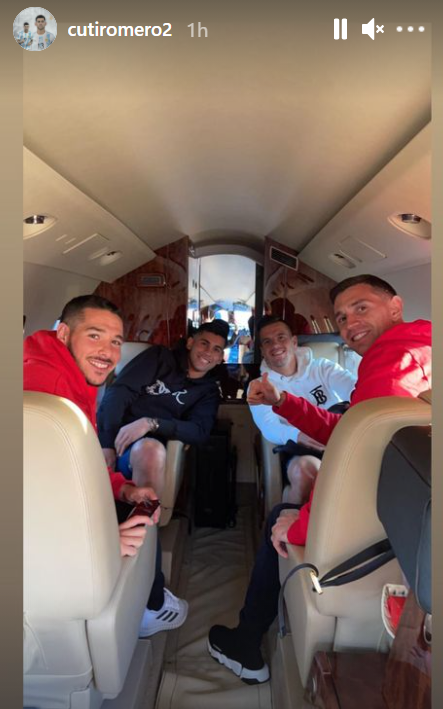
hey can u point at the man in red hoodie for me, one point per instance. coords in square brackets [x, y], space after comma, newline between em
[396, 361]
[73, 362]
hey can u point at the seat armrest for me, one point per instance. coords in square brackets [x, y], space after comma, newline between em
[272, 478]
[175, 463]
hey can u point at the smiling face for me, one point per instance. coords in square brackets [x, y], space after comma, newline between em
[363, 313]
[40, 23]
[278, 347]
[205, 352]
[94, 339]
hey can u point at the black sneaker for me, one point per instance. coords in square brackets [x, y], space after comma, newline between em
[234, 651]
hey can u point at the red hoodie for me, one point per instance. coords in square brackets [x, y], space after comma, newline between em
[397, 364]
[49, 367]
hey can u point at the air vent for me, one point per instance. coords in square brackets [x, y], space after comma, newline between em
[342, 260]
[411, 224]
[284, 258]
[151, 280]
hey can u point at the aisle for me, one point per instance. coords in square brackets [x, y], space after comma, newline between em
[213, 581]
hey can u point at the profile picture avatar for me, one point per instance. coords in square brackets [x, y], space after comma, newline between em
[35, 29]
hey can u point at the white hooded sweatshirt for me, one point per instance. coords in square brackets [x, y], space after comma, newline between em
[320, 381]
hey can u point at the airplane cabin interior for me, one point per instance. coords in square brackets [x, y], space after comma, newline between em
[187, 185]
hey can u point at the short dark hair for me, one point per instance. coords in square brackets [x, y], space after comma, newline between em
[217, 327]
[38, 17]
[366, 279]
[266, 320]
[73, 311]
[25, 23]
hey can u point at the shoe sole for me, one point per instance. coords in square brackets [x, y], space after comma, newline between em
[247, 676]
[177, 623]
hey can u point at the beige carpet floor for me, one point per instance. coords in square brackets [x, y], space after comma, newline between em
[214, 578]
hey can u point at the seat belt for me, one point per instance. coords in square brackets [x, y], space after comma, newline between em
[354, 568]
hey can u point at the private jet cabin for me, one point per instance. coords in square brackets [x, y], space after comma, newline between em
[180, 211]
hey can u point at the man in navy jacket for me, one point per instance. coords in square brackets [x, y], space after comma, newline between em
[160, 395]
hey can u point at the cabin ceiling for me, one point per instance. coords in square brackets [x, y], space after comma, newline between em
[233, 140]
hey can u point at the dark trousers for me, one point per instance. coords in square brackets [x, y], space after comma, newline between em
[261, 602]
[156, 597]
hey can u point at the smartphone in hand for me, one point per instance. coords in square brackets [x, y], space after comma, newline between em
[147, 508]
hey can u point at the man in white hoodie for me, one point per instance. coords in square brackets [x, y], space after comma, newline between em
[293, 369]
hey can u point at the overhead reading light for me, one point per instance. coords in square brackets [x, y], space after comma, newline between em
[342, 260]
[410, 218]
[36, 223]
[110, 257]
[412, 224]
[35, 219]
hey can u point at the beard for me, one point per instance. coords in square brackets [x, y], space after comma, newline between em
[88, 380]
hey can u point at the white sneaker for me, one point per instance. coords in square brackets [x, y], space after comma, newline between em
[171, 615]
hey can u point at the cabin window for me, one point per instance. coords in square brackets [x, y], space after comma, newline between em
[223, 286]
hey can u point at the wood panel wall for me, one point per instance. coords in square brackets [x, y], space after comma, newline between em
[301, 297]
[157, 315]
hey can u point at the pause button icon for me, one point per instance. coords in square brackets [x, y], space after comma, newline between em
[344, 29]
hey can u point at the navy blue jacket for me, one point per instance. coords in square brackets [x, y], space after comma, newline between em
[155, 384]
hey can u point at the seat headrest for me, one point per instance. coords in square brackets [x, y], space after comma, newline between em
[343, 517]
[328, 350]
[129, 350]
[71, 543]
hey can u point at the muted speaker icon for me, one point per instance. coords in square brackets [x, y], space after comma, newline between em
[368, 28]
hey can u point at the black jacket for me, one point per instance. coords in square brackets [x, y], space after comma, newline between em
[155, 384]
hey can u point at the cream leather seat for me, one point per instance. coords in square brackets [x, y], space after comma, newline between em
[129, 350]
[83, 602]
[343, 522]
[175, 450]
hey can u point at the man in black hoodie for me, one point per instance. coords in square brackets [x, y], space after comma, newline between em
[160, 395]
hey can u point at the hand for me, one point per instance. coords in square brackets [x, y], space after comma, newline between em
[264, 392]
[310, 442]
[132, 432]
[134, 494]
[110, 457]
[279, 536]
[132, 533]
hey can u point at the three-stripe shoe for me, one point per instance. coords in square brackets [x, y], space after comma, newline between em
[171, 615]
[236, 652]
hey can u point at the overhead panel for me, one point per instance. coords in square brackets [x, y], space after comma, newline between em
[77, 234]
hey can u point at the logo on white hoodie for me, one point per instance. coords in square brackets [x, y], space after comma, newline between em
[319, 395]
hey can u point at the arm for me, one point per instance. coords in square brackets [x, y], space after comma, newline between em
[132, 533]
[402, 374]
[298, 531]
[127, 491]
[125, 390]
[197, 424]
[291, 527]
[195, 427]
[272, 426]
[337, 379]
[315, 422]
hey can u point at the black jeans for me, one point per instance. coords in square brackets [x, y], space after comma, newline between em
[156, 597]
[261, 602]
